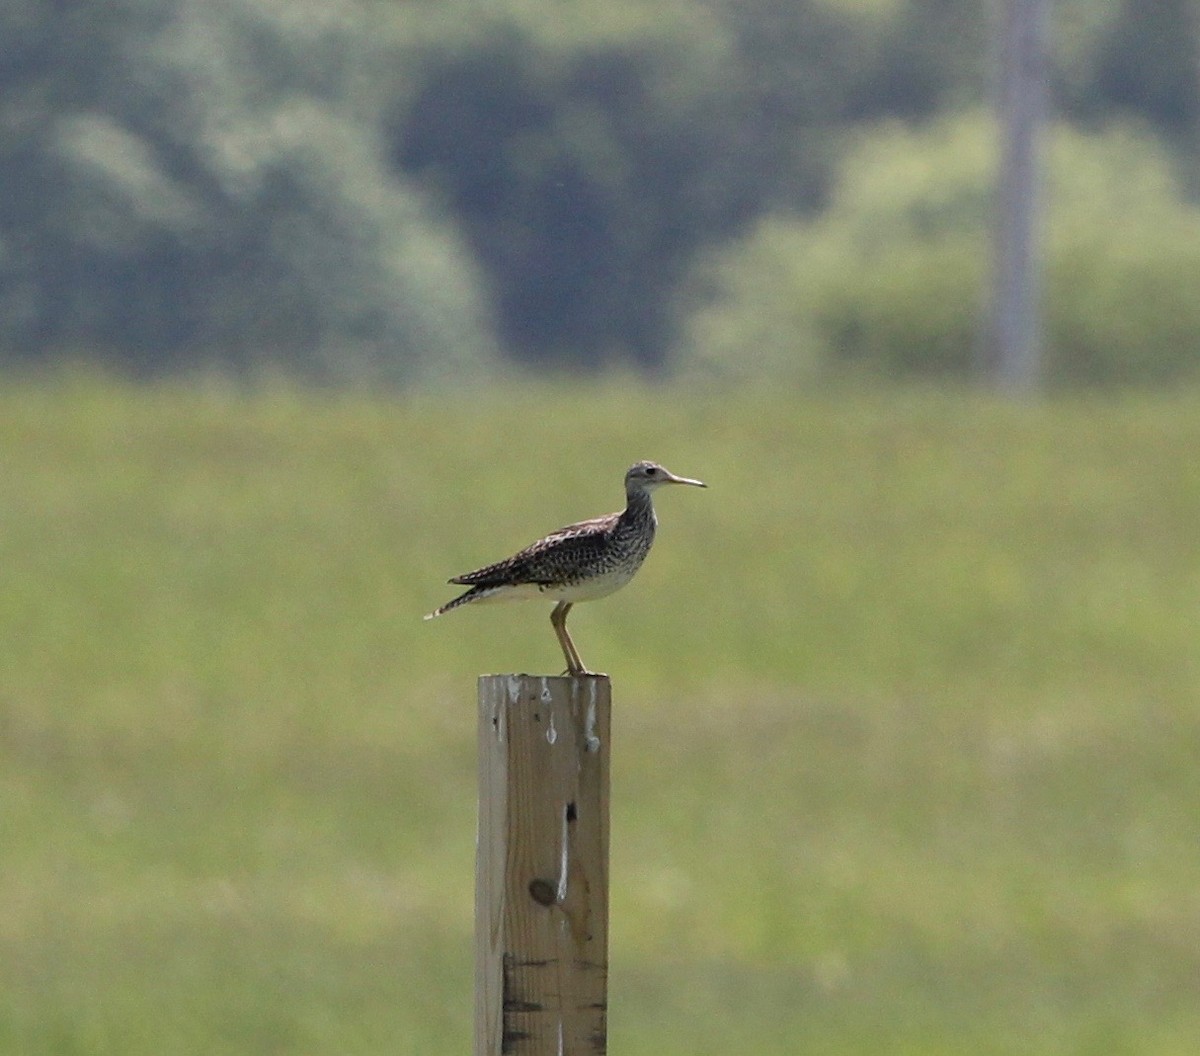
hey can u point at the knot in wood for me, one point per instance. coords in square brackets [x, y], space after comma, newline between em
[542, 892]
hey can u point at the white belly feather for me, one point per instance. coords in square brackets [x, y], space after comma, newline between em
[586, 590]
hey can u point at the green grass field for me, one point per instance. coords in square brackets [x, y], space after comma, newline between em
[907, 735]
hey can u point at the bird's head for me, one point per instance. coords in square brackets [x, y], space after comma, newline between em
[646, 476]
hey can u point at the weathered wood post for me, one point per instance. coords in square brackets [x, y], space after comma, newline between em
[541, 874]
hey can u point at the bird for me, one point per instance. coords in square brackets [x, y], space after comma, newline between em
[581, 562]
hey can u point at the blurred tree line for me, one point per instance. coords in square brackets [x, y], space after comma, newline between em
[360, 189]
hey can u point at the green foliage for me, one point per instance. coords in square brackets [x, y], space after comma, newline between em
[910, 72]
[1124, 264]
[374, 191]
[905, 725]
[588, 172]
[891, 278]
[207, 196]
[1145, 63]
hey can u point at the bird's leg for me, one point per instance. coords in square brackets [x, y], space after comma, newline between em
[578, 668]
[559, 619]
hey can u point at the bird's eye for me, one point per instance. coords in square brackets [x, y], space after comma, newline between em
[651, 470]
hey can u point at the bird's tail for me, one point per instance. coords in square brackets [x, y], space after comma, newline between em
[474, 594]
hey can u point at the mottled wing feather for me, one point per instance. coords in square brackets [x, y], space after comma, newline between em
[546, 560]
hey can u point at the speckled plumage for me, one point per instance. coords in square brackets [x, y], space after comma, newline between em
[581, 562]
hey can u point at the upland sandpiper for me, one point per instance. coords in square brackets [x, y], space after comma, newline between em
[580, 562]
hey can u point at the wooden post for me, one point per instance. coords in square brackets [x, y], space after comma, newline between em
[541, 875]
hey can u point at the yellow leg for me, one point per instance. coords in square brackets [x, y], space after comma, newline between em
[559, 619]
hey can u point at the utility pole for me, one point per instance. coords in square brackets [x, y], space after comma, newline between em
[1014, 355]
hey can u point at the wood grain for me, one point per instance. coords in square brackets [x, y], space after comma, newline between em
[541, 882]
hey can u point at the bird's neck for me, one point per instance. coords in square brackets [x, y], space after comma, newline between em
[638, 507]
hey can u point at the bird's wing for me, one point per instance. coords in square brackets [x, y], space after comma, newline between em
[543, 561]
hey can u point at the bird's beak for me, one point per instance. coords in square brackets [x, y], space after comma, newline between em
[672, 479]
